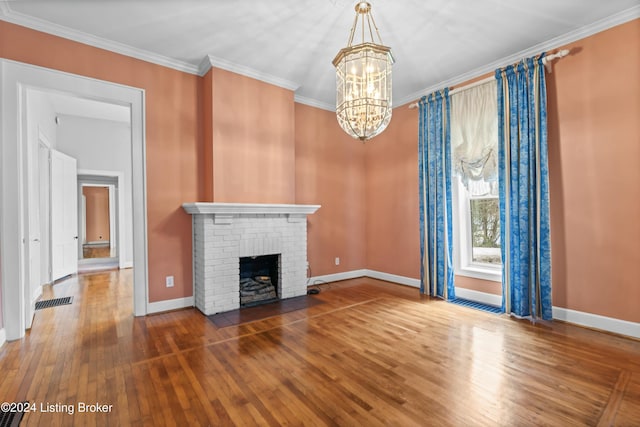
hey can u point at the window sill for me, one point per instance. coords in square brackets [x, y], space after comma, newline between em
[478, 272]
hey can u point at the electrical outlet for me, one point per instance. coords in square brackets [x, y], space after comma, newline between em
[169, 281]
[337, 260]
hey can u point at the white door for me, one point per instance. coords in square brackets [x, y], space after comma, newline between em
[45, 220]
[64, 215]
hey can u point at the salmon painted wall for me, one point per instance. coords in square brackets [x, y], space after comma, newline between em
[96, 213]
[480, 285]
[330, 171]
[252, 137]
[594, 156]
[594, 167]
[206, 119]
[172, 141]
[393, 244]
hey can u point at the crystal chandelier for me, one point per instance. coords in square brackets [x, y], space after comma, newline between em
[363, 80]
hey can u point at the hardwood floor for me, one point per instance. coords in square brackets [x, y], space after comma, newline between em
[96, 251]
[372, 354]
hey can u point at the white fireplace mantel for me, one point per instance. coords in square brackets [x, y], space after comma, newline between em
[248, 208]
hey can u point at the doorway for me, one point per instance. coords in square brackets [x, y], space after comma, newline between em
[15, 228]
[100, 224]
[96, 223]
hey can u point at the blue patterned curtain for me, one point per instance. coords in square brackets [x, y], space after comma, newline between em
[524, 189]
[434, 158]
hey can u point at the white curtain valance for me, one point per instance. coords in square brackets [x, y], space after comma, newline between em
[474, 133]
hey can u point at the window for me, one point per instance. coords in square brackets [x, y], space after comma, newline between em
[477, 229]
[474, 159]
[485, 230]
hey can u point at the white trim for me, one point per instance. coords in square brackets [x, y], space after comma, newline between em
[212, 61]
[14, 77]
[336, 277]
[9, 15]
[314, 103]
[3, 334]
[247, 208]
[462, 250]
[37, 293]
[168, 305]
[402, 280]
[121, 222]
[126, 265]
[570, 37]
[354, 274]
[477, 296]
[114, 241]
[11, 199]
[609, 324]
[476, 271]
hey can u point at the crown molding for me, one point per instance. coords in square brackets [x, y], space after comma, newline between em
[314, 103]
[554, 43]
[212, 61]
[9, 15]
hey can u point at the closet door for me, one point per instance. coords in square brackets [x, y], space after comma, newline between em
[64, 215]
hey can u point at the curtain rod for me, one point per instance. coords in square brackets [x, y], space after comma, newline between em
[546, 60]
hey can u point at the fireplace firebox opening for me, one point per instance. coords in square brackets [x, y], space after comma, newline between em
[259, 280]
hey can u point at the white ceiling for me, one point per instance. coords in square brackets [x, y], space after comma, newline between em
[292, 43]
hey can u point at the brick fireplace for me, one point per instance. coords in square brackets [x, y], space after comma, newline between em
[225, 232]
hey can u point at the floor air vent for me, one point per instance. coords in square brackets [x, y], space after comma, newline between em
[12, 417]
[53, 302]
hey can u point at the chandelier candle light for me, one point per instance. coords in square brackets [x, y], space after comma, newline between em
[363, 80]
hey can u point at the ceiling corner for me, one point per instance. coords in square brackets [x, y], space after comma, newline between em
[250, 72]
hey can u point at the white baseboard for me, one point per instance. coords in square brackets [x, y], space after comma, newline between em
[609, 324]
[353, 274]
[36, 294]
[168, 305]
[402, 280]
[98, 243]
[595, 321]
[3, 337]
[482, 297]
[336, 277]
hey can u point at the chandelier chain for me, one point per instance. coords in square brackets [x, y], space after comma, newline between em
[367, 20]
[376, 27]
[353, 30]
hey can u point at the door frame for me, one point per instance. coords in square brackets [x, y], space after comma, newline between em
[115, 218]
[45, 214]
[16, 78]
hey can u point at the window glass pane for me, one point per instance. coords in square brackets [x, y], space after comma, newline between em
[485, 230]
